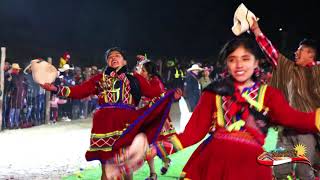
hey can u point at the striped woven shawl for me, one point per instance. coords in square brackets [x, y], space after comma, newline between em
[300, 85]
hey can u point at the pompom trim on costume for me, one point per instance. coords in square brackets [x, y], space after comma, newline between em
[65, 91]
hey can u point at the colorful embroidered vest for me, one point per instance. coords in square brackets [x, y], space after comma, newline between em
[114, 89]
[255, 98]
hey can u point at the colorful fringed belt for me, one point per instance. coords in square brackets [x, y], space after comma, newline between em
[236, 136]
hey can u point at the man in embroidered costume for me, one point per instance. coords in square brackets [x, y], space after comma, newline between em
[299, 80]
[229, 111]
[117, 122]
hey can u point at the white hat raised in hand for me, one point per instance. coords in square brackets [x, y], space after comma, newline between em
[242, 20]
[42, 71]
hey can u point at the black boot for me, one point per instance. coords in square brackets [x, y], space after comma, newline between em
[166, 165]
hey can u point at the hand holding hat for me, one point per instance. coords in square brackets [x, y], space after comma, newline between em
[255, 27]
[49, 87]
[242, 20]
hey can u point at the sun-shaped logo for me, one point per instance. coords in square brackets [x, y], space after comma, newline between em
[300, 150]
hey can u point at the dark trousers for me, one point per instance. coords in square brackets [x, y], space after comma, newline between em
[14, 118]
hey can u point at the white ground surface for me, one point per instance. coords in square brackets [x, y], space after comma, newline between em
[44, 152]
[53, 151]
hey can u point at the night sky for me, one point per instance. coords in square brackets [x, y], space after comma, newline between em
[195, 29]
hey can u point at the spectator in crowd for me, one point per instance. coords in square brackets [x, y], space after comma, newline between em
[31, 99]
[217, 71]
[6, 97]
[87, 103]
[32, 106]
[93, 100]
[17, 94]
[192, 87]
[169, 73]
[94, 70]
[179, 77]
[66, 79]
[54, 104]
[41, 106]
[205, 79]
[64, 59]
[76, 103]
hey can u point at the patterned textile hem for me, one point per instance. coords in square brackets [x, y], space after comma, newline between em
[104, 142]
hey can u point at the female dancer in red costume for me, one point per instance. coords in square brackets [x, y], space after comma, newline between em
[226, 111]
[162, 147]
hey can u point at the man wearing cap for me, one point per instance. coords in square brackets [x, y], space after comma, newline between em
[66, 79]
[192, 86]
[16, 93]
[116, 122]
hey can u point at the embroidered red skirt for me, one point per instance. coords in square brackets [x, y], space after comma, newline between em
[227, 156]
[108, 124]
[114, 128]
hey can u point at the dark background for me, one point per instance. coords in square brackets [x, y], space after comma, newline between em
[193, 29]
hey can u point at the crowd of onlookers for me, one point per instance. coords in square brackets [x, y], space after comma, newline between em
[24, 101]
